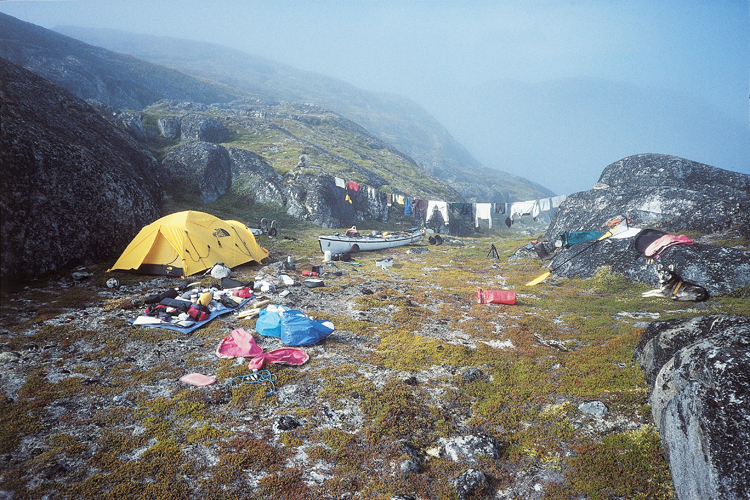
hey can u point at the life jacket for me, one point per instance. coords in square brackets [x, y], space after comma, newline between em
[645, 238]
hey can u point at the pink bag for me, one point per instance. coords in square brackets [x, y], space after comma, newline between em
[283, 356]
[240, 344]
[243, 293]
[496, 297]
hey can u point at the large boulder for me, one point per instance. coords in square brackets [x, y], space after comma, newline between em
[666, 193]
[717, 269]
[200, 169]
[169, 127]
[663, 192]
[699, 370]
[197, 127]
[317, 199]
[254, 178]
[74, 189]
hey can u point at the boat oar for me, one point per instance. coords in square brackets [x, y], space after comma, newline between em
[545, 275]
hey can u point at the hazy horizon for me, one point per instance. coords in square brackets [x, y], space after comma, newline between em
[550, 91]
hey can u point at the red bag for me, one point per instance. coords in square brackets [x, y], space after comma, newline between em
[310, 273]
[199, 312]
[243, 293]
[496, 297]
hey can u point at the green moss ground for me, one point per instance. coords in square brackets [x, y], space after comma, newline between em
[422, 321]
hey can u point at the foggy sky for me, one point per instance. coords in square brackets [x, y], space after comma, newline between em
[451, 57]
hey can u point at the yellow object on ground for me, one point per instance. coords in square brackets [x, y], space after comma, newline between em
[185, 243]
[206, 299]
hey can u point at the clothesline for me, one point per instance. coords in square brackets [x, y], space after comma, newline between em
[426, 209]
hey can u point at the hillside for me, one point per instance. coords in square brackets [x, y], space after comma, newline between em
[394, 119]
[94, 73]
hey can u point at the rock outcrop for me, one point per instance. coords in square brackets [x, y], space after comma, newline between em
[317, 199]
[255, 178]
[662, 192]
[666, 193]
[699, 369]
[200, 169]
[197, 127]
[74, 188]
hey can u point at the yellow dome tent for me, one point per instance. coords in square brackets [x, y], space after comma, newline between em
[186, 243]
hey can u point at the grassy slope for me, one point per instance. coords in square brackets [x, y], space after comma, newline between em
[333, 145]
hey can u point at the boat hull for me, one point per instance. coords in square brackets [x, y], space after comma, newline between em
[346, 244]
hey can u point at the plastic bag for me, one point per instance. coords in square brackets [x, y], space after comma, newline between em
[299, 329]
[269, 321]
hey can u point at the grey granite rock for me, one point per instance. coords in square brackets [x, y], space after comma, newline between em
[700, 399]
[74, 188]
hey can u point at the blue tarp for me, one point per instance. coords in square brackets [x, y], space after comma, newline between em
[219, 311]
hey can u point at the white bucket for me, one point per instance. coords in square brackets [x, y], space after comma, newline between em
[327, 256]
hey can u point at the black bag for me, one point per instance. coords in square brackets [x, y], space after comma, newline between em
[227, 302]
[180, 305]
[156, 298]
[233, 283]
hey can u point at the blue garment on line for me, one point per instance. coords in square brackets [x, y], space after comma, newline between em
[570, 239]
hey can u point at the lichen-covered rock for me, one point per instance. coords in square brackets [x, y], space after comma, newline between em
[254, 178]
[717, 269]
[169, 127]
[199, 168]
[317, 199]
[74, 189]
[666, 193]
[197, 127]
[468, 448]
[700, 399]
[663, 192]
[470, 483]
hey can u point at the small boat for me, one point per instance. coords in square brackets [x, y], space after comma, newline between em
[353, 242]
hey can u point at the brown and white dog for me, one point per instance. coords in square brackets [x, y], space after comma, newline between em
[675, 287]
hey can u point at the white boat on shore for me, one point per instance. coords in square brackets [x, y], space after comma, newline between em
[352, 242]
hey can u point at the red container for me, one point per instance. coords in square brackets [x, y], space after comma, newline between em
[496, 297]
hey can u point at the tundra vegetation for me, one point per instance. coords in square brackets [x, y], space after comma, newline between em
[92, 407]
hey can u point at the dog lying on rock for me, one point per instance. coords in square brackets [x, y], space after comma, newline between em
[675, 287]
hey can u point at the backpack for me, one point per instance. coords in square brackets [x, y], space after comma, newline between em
[199, 312]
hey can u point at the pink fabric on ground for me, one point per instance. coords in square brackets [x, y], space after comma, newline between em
[284, 356]
[666, 241]
[240, 344]
[198, 379]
